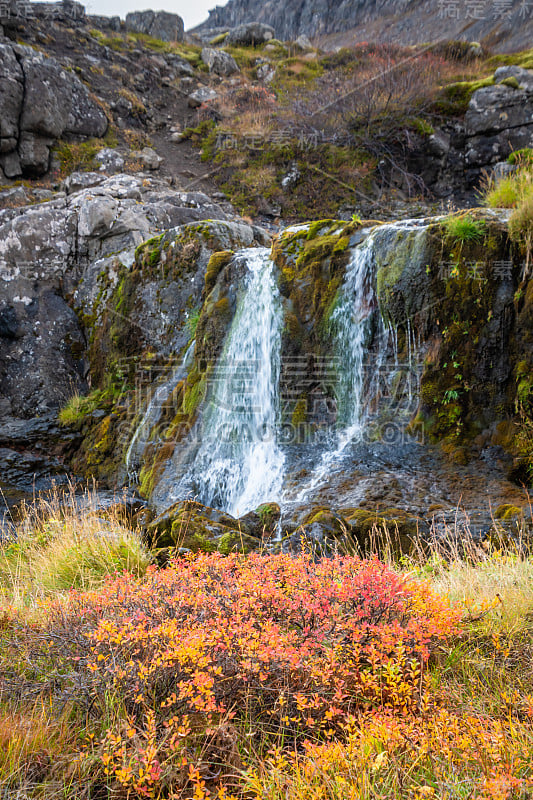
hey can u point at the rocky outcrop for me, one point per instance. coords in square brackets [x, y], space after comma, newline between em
[159, 24]
[499, 118]
[250, 34]
[498, 121]
[40, 102]
[48, 251]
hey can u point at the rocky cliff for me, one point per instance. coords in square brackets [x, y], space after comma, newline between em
[506, 26]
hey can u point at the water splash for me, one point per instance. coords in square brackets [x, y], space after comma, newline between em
[239, 464]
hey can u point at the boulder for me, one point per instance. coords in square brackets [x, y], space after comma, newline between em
[85, 118]
[496, 108]
[523, 77]
[159, 24]
[201, 96]
[149, 159]
[81, 180]
[180, 66]
[15, 195]
[110, 160]
[250, 34]
[40, 102]
[266, 72]
[219, 62]
[34, 153]
[10, 163]
[303, 42]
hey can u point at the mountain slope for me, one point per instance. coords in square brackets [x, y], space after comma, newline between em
[504, 25]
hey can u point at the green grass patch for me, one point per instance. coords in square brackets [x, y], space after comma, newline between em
[464, 229]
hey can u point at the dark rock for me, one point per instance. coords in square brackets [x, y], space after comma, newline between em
[261, 522]
[85, 118]
[250, 34]
[496, 108]
[34, 153]
[159, 24]
[105, 23]
[40, 102]
[47, 96]
[11, 93]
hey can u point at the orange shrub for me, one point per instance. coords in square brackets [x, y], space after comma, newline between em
[213, 652]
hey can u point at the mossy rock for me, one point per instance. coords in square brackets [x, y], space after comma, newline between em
[261, 522]
[392, 532]
[100, 453]
[198, 528]
[321, 533]
[508, 512]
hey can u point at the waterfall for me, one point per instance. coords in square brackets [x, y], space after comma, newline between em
[152, 415]
[239, 464]
[356, 323]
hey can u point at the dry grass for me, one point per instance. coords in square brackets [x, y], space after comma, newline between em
[65, 542]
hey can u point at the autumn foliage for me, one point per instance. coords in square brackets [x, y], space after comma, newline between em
[213, 652]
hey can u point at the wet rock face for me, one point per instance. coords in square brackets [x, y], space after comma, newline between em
[40, 102]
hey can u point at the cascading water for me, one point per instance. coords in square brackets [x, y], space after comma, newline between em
[239, 464]
[152, 415]
[356, 322]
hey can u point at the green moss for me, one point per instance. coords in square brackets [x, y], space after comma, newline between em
[269, 515]
[455, 97]
[508, 511]
[299, 415]
[215, 265]
[194, 395]
[78, 156]
[522, 157]
[511, 81]
[219, 39]
[523, 59]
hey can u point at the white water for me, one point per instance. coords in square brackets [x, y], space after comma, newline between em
[152, 415]
[239, 464]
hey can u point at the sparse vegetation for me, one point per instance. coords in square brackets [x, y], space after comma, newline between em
[516, 191]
